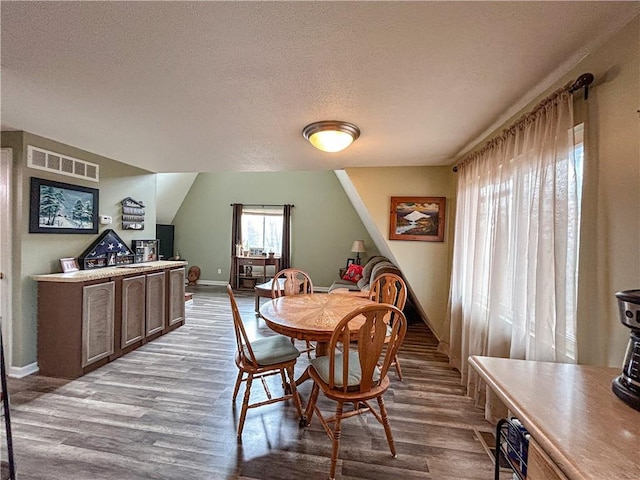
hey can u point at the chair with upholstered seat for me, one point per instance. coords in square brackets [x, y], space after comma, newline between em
[292, 282]
[259, 359]
[358, 375]
[390, 288]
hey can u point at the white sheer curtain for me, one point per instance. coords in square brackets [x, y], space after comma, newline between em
[514, 277]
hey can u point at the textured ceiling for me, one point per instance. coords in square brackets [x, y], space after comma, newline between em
[228, 86]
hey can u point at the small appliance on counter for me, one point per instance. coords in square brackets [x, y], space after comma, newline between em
[627, 385]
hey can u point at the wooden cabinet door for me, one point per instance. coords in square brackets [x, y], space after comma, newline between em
[155, 302]
[540, 466]
[97, 321]
[176, 295]
[133, 310]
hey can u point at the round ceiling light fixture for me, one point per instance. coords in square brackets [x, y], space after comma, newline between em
[331, 135]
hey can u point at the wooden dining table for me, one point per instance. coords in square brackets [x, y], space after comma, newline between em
[310, 317]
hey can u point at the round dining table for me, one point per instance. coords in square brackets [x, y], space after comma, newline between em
[310, 317]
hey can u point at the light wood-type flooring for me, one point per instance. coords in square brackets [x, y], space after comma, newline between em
[164, 411]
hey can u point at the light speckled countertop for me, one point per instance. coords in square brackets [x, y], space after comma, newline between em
[107, 272]
[571, 412]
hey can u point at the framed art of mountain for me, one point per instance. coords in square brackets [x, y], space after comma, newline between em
[58, 207]
[417, 218]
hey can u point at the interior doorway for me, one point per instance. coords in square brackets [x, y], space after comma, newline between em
[6, 159]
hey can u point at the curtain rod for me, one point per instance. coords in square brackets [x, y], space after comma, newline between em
[259, 205]
[583, 81]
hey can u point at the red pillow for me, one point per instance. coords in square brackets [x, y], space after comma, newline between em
[353, 273]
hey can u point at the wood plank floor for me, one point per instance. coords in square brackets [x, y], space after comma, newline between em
[164, 411]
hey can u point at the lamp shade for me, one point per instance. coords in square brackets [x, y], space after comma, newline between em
[331, 135]
[358, 246]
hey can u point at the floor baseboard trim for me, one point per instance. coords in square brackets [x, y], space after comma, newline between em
[21, 372]
[223, 283]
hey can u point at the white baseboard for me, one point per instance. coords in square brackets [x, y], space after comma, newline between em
[21, 372]
[223, 283]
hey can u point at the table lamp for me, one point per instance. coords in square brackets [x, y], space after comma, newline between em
[358, 246]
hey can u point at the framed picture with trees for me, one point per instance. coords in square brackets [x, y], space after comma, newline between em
[58, 207]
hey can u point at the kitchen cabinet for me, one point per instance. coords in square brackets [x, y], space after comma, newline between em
[133, 310]
[155, 302]
[176, 296]
[91, 317]
[97, 322]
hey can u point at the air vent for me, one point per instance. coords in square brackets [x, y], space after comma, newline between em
[41, 159]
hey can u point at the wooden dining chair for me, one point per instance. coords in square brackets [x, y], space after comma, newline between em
[259, 359]
[390, 288]
[295, 282]
[357, 375]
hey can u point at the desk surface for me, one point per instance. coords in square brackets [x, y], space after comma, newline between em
[572, 414]
[309, 317]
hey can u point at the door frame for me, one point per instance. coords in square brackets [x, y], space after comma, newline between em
[6, 163]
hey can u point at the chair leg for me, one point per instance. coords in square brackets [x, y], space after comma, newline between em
[387, 426]
[237, 387]
[398, 369]
[245, 404]
[285, 384]
[336, 441]
[313, 398]
[294, 391]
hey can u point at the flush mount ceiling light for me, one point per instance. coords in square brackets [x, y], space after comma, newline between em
[331, 135]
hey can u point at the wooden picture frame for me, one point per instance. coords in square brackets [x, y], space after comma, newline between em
[69, 265]
[417, 218]
[350, 261]
[58, 207]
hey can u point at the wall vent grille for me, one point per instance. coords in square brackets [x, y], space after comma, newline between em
[41, 159]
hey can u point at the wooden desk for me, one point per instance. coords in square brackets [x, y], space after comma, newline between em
[310, 317]
[243, 281]
[579, 428]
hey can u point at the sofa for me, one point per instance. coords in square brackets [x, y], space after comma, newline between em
[374, 267]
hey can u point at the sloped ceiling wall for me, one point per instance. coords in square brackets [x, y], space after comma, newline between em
[171, 190]
[426, 266]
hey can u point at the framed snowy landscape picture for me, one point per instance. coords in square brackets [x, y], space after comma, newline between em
[58, 207]
[417, 218]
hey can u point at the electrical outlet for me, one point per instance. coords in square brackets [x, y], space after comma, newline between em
[219, 271]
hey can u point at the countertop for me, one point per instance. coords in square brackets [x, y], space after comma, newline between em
[108, 272]
[572, 414]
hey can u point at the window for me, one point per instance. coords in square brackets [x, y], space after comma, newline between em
[501, 196]
[262, 228]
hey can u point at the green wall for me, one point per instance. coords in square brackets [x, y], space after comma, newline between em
[37, 253]
[324, 223]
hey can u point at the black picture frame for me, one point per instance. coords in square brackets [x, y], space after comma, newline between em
[350, 261]
[58, 207]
